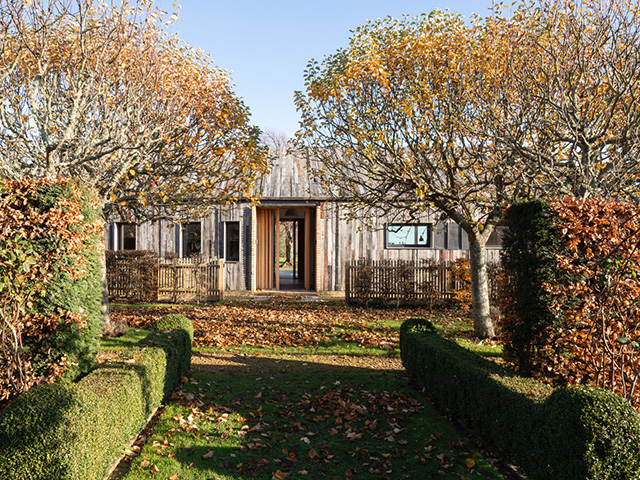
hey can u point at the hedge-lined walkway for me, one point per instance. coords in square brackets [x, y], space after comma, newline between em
[284, 390]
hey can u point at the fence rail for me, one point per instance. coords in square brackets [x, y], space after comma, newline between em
[400, 282]
[149, 279]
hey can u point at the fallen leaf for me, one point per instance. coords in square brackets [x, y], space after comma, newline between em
[279, 475]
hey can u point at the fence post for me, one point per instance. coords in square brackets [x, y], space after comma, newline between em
[221, 278]
[347, 281]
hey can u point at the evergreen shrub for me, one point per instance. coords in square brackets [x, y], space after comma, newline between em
[76, 431]
[571, 433]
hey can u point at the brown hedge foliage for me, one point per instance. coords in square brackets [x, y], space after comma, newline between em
[461, 283]
[50, 235]
[603, 240]
[595, 298]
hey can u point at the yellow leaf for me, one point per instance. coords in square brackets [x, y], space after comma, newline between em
[279, 475]
[470, 463]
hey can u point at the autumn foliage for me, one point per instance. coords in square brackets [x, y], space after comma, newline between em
[50, 278]
[576, 319]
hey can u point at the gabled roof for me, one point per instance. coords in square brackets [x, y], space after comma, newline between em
[290, 177]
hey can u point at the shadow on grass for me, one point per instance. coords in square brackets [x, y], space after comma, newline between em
[239, 363]
[325, 421]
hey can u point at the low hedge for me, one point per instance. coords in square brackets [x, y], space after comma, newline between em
[77, 431]
[569, 433]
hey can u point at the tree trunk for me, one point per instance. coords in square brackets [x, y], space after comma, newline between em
[482, 323]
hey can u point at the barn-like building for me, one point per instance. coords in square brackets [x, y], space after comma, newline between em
[249, 238]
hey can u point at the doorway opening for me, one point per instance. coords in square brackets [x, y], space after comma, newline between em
[285, 248]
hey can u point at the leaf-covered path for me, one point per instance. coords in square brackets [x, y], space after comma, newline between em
[282, 390]
[279, 323]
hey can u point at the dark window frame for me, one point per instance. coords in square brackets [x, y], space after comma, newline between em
[232, 241]
[415, 242]
[122, 242]
[189, 235]
[495, 239]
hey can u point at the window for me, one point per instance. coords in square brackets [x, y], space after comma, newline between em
[232, 241]
[495, 239]
[191, 239]
[408, 235]
[126, 236]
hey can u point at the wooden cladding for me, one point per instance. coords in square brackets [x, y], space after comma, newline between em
[266, 248]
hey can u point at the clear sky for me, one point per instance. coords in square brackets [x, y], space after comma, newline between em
[267, 44]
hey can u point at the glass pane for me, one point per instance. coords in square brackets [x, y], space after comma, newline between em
[399, 235]
[232, 249]
[403, 235]
[192, 239]
[127, 236]
[422, 235]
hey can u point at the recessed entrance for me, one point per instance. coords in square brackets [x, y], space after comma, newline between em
[285, 248]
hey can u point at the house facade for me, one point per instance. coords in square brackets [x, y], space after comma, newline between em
[295, 238]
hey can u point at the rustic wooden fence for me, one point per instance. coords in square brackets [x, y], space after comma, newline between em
[401, 282]
[146, 278]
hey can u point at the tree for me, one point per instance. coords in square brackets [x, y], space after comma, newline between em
[574, 97]
[393, 120]
[101, 91]
[275, 139]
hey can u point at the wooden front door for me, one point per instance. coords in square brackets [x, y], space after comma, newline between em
[267, 266]
[267, 248]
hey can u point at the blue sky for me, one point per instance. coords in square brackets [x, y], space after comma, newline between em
[267, 44]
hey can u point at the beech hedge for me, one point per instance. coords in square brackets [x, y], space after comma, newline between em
[77, 431]
[51, 236]
[570, 433]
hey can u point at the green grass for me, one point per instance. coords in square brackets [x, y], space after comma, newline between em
[129, 339]
[311, 425]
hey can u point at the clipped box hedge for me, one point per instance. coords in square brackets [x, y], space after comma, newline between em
[77, 431]
[566, 434]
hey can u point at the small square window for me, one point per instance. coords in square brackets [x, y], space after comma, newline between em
[232, 242]
[401, 235]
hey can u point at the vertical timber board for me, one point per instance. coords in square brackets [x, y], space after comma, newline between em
[254, 250]
[276, 247]
[308, 248]
[320, 264]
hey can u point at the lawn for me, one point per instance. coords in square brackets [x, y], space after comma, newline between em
[290, 412]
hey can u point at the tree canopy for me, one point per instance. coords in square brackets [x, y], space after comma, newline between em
[103, 92]
[463, 117]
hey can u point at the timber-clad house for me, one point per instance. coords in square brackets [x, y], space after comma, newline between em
[246, 236]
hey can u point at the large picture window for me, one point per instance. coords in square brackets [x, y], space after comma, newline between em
[402, 235]
[232, 242]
